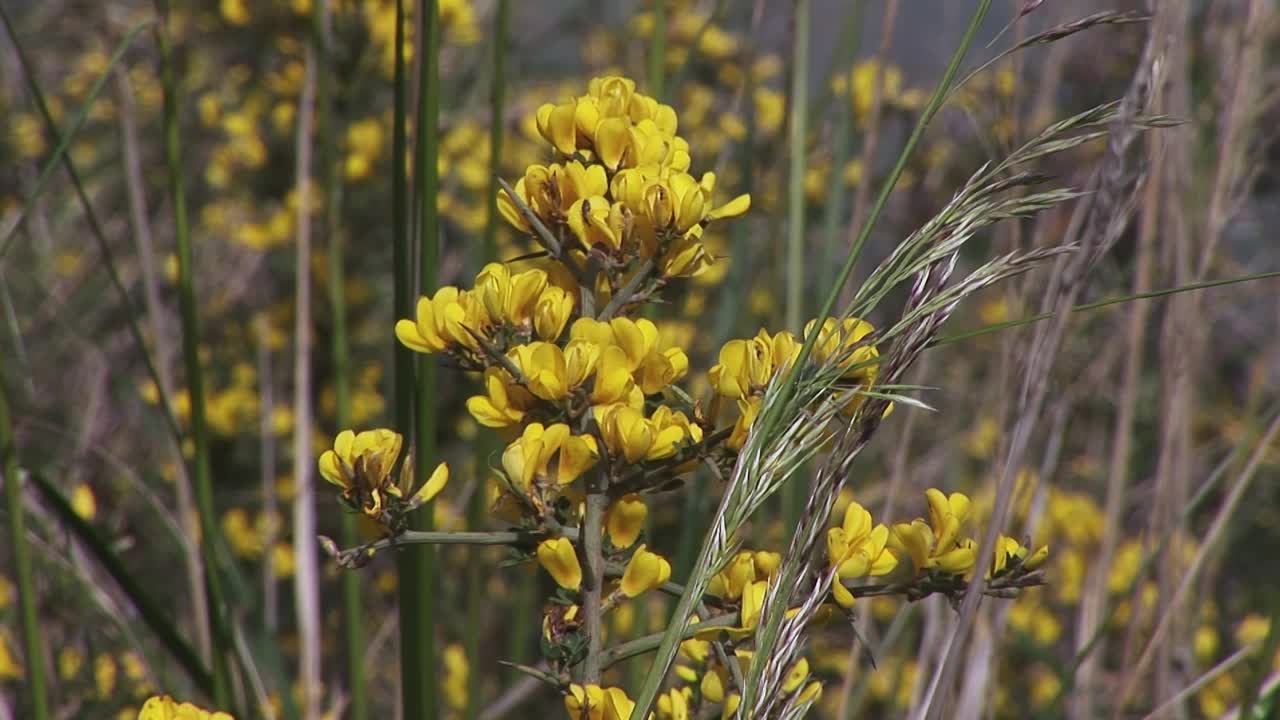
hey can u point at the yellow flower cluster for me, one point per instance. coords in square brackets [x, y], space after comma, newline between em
[503, 308]
[361, 465]
[701, 668]
[163, 707]
[938, 546]
[856, 549]
[623, 189]
[746, 367]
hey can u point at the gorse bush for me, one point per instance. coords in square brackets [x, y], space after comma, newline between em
[478, 360]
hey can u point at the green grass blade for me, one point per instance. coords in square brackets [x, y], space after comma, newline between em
[60, 156]
[658, 50]
[352, 606]
[418, 587]
[31, 631]
[486, 446]
[194, 371]
[798, 126]
[152, 615]
[997, 327]
[61, 147]
[769, 422]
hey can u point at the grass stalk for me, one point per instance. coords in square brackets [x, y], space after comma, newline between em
[769, 422]
[842, 127]
[306, 576]
[768, 632]
[798, 127]
[148, 611]
[164, 351]
[871, 138]
[31, 630]
[352, 606]
[418, 582]
[194, 371]
[488, 253]
[793, 498]
[658, 51]
[401, 272]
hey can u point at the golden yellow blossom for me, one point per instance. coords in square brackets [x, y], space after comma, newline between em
[163, 707]
[645, 571]
[624, 520]
[937, 544]
[559, 559]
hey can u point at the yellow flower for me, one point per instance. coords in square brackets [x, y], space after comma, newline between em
[936, 544]
[1009, 548]
[747, 412]
[504, 402]
[627, 432]
[625, 519]
[856, 548]
[509, 298]
[530, 455]
[645, 571]
[838, 342]
[361, 466]
[752, 604]
[456, 674]
[796, 676]
[595, 703]
[558, 558]
[747, 366]
[674, 704]
[163, 707]
[730, 709]
[712, 687]
[551, 312]
[745, 568]
[447, 319]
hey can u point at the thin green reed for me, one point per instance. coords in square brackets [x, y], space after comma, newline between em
[31, 632]
[418, 581]
[842, 127]
[489, 253]
[787, 389]
[352, 605]
[793, 498]
[191, 359]
[798, 131]
[658, 50]
[402, 277]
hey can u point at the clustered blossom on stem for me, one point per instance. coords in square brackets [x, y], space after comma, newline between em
[585, 393]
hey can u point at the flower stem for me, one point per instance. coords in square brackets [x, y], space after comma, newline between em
[31, 631]
[194, 370]
[418, 566]
[591, 544]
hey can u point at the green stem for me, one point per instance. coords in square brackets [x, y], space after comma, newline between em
[60, 156]
[591, 548]
[997, 327]
[31, 630]
[194, 371]
[488, 253]
[841, 129]
[352, 610]
[418, 566]
[658, 50]
[799, 126]
[151, 614]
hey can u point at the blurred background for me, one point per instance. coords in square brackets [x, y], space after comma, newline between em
[1153, 466]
